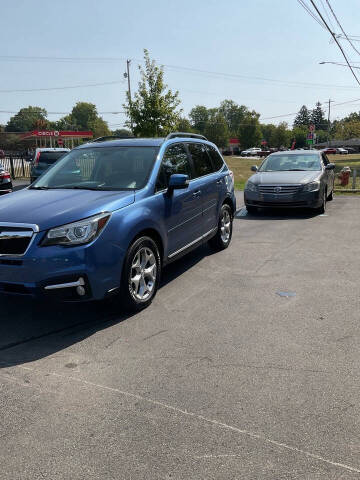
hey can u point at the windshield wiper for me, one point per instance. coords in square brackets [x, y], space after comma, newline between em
[295, 170]
[39, 188]
[78, 187]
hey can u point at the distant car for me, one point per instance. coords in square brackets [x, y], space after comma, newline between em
[342, 151]
[5, 181]
[43, 158]
[251, 152]
[330, 151]
[291, 179]
[351, 150]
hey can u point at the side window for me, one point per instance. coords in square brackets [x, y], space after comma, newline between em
[216, 158]
[175, 160]
[201, 159]
[325, 159]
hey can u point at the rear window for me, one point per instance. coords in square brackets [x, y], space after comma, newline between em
[50, 157]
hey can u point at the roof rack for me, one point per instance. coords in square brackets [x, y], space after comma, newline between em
[109, 137]
[185, 135]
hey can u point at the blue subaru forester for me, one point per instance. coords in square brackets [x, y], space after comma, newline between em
[109, 215]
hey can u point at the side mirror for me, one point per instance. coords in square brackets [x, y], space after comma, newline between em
[330, 166]
[254, 168]
[177, 181]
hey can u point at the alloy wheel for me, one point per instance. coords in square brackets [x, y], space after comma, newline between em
[225, 226]
[143, 274]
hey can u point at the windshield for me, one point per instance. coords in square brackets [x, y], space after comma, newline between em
[291, 162]
[102, 168]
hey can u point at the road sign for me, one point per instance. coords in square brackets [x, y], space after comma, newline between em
[310, 136]
[312, 128]
[309, 141]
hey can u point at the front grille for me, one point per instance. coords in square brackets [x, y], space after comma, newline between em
[280, 189]
[14, 240]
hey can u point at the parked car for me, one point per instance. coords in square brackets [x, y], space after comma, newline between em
[42, 159]
[291, 179]
[330, 151]
[5, 181]
[109, 215]
[251, 152]
[342, 151]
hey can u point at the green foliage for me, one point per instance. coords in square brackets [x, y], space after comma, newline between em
[302, 118]
[249, 133]
[199, 117]
[317, 117]
[347, 129]
[268, 132]
[122, 132]
[99, 127]
[83, 115]
[153, 110]
[184, 125]
[281, 136]
[299, 135]
[28, 119]
[234, 115]
[216, 128]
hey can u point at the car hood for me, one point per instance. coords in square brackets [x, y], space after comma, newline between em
[51, 208]
[279, 178]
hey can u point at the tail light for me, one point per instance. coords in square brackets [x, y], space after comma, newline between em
[5, 175]
[37, 159]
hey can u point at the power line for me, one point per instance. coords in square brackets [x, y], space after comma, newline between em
[307, 9]
[336, 40]
[341, 28]
[327, 15]
[62, 88]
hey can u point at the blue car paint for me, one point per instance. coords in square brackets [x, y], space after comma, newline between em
[179, 219]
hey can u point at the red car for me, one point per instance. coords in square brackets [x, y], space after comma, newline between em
[330, 151]
[5, 181]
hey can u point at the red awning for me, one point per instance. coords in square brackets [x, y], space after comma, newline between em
[56, 133]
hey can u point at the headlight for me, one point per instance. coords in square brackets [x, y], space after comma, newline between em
[312, 187]
[251, 187]
[77, 233]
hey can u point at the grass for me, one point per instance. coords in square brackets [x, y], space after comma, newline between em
[241, 168]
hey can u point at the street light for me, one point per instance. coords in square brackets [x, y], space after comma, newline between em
[340, 64]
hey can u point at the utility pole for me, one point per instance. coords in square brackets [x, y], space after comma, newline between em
[127, 75]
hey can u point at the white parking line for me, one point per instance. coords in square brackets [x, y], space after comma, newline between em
[202, 418]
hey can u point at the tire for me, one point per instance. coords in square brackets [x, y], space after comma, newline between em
[223, 235]
[142, 262]
[322, 209]
[252, 210]
[331, 196]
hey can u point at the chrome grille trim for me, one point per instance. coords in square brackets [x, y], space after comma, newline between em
[9, 230]
[280, 189]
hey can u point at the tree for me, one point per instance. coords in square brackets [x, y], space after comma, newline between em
[281, 135]
[347, 130]
[299, 135]
[302, 118]
[216, 128]
[184, 125]
[234, 115]
[99, 127]
[268, 133]
[249, 133]
[83, 115]
[317, 117]
[122, 132]
[28, 119]
[199, 117]
[153, 111]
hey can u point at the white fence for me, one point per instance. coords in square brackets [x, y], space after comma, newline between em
[17, 166]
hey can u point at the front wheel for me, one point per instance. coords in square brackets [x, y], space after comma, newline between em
[322, 209]
[141, 274]
[223, 235]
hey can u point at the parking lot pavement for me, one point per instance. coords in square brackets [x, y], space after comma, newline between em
[221, 378]
[19, 184]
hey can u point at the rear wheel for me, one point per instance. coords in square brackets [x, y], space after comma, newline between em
[223, 235]
[141, 274]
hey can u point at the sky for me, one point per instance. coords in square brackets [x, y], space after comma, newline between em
[264, 54]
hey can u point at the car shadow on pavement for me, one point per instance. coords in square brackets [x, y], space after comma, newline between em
[275, 214]
[31, 329]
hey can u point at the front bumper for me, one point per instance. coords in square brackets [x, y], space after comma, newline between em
[98, 266]
[272, 200]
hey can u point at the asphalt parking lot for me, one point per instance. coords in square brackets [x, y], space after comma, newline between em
[221, 378]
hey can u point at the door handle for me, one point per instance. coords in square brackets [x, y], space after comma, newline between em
[197, 193]
[219, 181]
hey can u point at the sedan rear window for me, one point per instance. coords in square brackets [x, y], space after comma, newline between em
[50, 157]
[291, 162]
